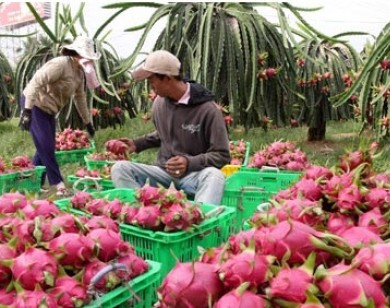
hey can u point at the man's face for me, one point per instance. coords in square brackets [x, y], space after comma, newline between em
[159, 85]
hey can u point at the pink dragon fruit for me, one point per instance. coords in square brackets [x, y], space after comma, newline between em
[11, 202]
[30, 232]
[148, 195]
[338, 222]
[45, 208]
[373, 220]
[292, 284]
[67, 223]
[351, 160]
[128, 214]
[240, 297]
[349, 199]
[97, 222]
[241, 240]
[6, 253]
[7, 298]
[285, 194]
[374, 260]
[293, 242]
[72, 250]
[171, 196]
[80, 199]
[135, 266]
[246, 266]
[303, 210]
[377, 180]
[96, 206]
[335, 184]
[295, 166]
[214, 255]
[377, 197]
[69, 292]
[148, 217]
[195, 212]
[35, 267]
[357, 237]
[344, 286]
[176, 218]
[308, 189]
[37, 298]
[107, 283]
[109, 243]
[315, 172]
[190, 285]
[113, 208]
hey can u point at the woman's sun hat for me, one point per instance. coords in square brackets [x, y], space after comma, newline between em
[85, 47]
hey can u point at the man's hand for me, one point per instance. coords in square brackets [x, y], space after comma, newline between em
[176, 166]
[25, 119]
[130, 143]
[90, 130]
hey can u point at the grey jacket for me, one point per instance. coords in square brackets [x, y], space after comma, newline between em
[196, 131]
[54, 84]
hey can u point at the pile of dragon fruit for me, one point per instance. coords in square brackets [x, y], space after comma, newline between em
[104, 173]
[70, 139]
[48, 257]
[237, 152]
[154, 208]
[324, 242]
[283, 155]
[17, 163]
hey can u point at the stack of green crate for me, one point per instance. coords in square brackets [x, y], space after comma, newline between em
[22, 181]
[169, 247]
[246, 189]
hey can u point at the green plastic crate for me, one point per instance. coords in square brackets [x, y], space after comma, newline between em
[97, 164]
[245, 190]
[143, 286]
[90, 184]
[168, 247]
[74, 156]
[22, 181]
[100, 164]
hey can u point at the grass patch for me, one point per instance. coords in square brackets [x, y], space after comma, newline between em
[340, 136]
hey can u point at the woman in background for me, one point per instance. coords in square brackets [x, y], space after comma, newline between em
[50, 89]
